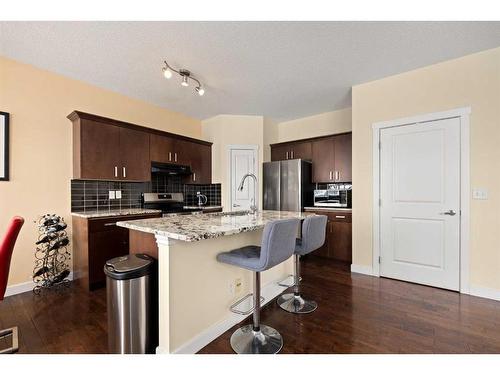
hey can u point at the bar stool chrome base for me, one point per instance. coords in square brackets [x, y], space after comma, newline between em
[264, 341]
[296, 304]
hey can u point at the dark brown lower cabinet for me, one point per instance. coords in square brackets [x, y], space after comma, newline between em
[338, 243]
[95, 241]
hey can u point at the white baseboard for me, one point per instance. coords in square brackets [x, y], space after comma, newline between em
[484, 292]
[365, 270]
[268, 291]
[25, 287]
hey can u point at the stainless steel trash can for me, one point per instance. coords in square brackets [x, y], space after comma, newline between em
[131, 302]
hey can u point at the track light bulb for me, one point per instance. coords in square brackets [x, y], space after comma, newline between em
[200, 91]
[167, 73]
[185, 81]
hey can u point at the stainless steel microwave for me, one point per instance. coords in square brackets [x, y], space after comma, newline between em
[336, 195]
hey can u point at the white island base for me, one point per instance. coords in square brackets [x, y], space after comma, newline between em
[195, 291]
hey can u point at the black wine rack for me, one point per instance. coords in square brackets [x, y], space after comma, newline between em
[52, 254]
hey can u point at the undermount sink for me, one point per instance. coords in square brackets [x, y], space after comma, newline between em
[236, 213]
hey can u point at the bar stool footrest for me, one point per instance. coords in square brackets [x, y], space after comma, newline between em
[287, 284]
[234, 307]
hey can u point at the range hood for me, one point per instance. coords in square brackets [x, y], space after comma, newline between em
[170, 169]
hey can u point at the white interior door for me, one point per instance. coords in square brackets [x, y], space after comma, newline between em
[243, 161]
[420, 203]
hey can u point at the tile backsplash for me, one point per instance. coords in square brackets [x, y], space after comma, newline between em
[212, 191]
[89, 195]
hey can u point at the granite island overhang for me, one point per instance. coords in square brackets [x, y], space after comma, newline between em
[195, 291]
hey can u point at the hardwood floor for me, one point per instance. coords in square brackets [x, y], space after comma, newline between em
[71, 320]
[356, 314]
[364, 314]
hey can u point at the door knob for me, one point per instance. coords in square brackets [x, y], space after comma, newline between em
[449, 212]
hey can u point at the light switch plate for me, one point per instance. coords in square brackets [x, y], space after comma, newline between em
[118, 194]
[111, 194]
[479, 193]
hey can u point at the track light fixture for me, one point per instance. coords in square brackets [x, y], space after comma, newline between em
[186, 76]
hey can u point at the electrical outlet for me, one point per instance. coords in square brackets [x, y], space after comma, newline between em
[118, 194]
[235, 287]
[479, 193]
[112, 194]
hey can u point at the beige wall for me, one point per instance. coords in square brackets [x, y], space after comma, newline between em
[41, 146]
[271, 135]
[473, 81]
[225, 130]
[314, 126]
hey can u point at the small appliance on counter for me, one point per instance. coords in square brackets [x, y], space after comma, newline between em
[335, 195]
[168, 203]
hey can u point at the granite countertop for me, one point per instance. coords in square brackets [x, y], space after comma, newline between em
[203, 207]
[328, 209]
[119, 212]
[192, 228]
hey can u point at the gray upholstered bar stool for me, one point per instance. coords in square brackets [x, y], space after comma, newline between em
[278, 244]
[313, 237]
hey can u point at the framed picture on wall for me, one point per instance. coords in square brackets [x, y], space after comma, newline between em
[4, 146]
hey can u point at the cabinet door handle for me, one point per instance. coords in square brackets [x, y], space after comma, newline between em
[337, 175]
[340, 216]
[331, 174]
[194, 176]
[116, 171]
[175, 156]
[169, 156]
[287, 155]
[124, 172]
[109, 224]
[291, 152]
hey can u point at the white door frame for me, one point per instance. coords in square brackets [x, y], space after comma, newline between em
[255, 149]
[463, 114]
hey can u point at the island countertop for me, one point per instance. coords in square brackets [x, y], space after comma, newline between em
[192, 228]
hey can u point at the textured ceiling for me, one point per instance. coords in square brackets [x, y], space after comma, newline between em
[283, 70]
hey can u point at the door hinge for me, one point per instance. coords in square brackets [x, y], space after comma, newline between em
[379, 260]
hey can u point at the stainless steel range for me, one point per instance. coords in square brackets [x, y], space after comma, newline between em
[168, 203]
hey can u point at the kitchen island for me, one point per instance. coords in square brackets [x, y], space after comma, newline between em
[195, 291]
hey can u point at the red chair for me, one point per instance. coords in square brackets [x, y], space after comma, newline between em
[6, 249]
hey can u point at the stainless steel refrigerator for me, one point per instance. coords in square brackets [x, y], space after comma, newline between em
[287, 185]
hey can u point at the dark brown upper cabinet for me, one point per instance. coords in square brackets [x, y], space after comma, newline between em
[200, 160]
[162, 148]
[332, 158]
[107, 149]
[134, 155]
[108, 152]
[323, 160]
[343, 158]
[96, 150]
[291, 150]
